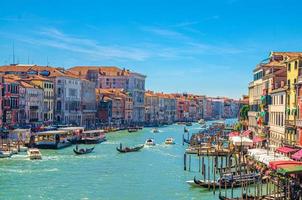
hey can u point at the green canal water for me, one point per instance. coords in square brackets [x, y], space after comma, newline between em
[153, 173]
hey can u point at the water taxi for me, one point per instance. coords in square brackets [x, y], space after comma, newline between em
[52, 139]
[169, 140]
[93, 137]
[150, 142]
[34, 154]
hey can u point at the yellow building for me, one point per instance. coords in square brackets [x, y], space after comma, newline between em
[291, 105]
[48, 88]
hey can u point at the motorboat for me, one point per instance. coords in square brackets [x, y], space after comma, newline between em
[155, 130]
[132, 129]
[170, 140]
[189, 124]
[201, 121]
[34, 154]
[5, 154]
[150, 142]
[23, 149]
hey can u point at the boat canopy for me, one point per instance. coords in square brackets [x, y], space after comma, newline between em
[58, 132]
[247, 133]
[71, 128]
[297, 155]
[93, 131]
[286, 150]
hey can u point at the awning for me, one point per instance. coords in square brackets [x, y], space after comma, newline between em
[277, 164]
[234, 133]
[297, 155]
[244, 141]
[290, 169]
[286, 150]
[247, 133]
[257, 139]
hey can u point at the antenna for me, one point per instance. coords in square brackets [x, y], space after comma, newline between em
[13, 53]
[47, 61]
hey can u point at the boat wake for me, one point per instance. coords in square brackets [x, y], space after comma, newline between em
[27, 171]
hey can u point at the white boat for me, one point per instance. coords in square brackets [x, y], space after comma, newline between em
[169, 140]
[23, 149]
[201, 121]
[34, 154]
[5, 154]
[155, 130]
[150, 142]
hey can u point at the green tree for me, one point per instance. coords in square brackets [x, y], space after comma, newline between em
[244, 112]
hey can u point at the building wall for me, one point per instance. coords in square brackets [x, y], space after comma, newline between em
[277, 118]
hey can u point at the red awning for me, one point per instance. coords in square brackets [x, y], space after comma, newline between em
[286, 150]
[247, 133]
[297, 155]
[257, 139]
[276, 164]
[234, 133]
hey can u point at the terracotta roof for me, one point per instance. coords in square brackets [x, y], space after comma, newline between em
[26, 85]
[103, 70]
[54, 72]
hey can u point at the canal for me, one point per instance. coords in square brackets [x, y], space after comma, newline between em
[153, 173]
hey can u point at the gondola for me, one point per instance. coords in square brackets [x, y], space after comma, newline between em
[244, 196]
[186, 141]
[83, 151]
[228, 181]
[129, 149]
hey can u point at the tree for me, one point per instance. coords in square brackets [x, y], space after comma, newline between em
[244, 112]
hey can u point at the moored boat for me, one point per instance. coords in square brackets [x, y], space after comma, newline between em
[5, 154]
[34, 154]
[93, 137]
[74, 133]
[170, 140]
[132, 129]
[228, 180]
[150, 142]
[189, 124]
[82, 151]
[51, 140]
[129, 149]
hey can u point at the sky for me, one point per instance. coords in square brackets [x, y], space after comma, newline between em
[205, 47]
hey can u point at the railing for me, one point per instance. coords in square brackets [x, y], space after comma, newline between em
[299, 122]
[290, 123]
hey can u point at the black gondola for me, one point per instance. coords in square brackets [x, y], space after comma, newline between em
[83, 151]
[186, 141]
[129, 149]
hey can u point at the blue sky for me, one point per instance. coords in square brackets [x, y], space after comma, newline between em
[204, 47]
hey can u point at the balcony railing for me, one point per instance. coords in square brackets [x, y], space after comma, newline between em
[299, 122]
[290, 123]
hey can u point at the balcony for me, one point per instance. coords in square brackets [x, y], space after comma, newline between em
[290, 123]
[299, 123]
[299, 79]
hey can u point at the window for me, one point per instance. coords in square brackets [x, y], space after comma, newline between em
[296, 64]
[281, 99]
[288, 67]
[295, 81]
[288, 83]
